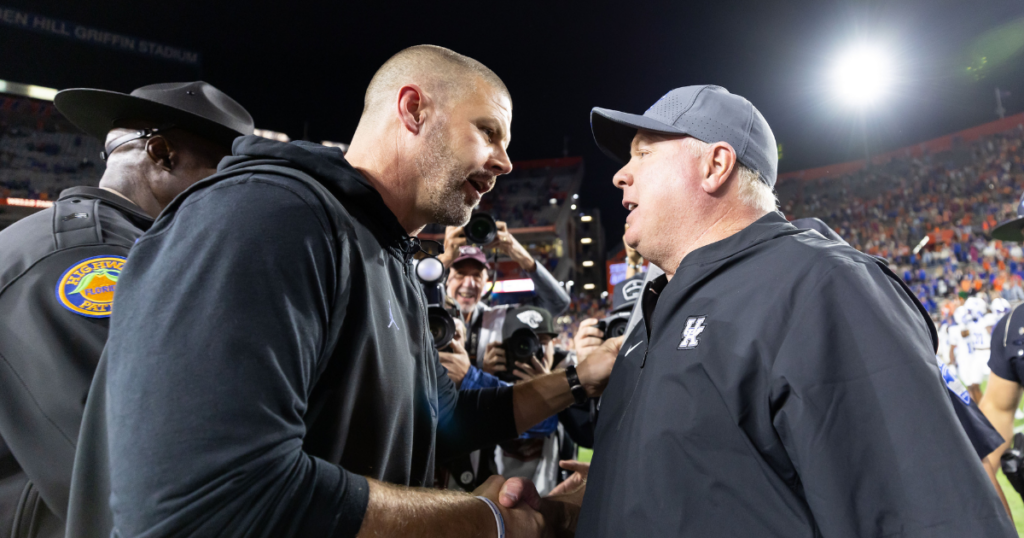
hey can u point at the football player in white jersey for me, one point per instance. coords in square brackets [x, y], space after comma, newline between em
[980, 335]
[970, 368]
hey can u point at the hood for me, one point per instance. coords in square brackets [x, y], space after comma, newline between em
[327, 165]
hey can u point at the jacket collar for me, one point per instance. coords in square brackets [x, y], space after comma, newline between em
[132, 211]
[329, 167]
[771, 225]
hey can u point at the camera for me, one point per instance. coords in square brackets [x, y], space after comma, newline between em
[523, 345]
[614, 325]
[481, 229]
[520, 337]
[430, 272]
[1012, 463]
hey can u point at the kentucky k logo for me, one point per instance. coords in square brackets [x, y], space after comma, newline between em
[694, 326]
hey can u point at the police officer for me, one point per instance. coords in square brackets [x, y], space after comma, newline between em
[1002, 396]
[60, 268]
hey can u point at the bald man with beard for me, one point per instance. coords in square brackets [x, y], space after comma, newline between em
[269, 370]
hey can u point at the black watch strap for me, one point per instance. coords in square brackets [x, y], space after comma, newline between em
[575, 387]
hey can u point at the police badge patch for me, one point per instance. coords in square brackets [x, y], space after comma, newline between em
[87, 287]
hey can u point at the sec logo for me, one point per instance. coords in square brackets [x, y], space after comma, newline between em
[87, 287]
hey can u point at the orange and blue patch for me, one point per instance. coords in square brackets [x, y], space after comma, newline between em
[87, 287]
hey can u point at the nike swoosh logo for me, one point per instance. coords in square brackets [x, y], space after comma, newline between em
[632, 348]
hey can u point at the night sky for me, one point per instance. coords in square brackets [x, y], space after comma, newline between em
[304, 65]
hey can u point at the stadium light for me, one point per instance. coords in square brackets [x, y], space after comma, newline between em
[861, 75]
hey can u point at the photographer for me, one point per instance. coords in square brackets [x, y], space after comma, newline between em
[467, 278]
[528, 336]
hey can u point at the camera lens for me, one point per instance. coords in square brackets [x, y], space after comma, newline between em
[481, 229]
[522, 345]
[441, 326]
[617, 327]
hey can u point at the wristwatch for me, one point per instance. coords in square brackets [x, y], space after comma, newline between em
[575, 387]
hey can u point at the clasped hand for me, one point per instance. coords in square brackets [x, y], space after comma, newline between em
[526, 513]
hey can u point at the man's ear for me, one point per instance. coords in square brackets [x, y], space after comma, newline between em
[413, 103]
[161, 152]
[718, 166]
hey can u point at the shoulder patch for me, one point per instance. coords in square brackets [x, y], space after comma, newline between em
[87, 287]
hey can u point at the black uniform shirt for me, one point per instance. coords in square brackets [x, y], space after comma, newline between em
[782, 385]
[53, 325]
[1007, 355]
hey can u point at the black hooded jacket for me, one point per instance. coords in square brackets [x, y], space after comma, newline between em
[268, 349]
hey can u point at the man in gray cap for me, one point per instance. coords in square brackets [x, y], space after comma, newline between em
[797, 373]
[61, 265]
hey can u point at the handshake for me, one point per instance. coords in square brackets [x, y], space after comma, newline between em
[525, 513]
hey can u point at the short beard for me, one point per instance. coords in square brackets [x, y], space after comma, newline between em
[443, 177]
[467, 310]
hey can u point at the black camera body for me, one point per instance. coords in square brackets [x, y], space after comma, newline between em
[615, 324]
[430, 272]
[481, 229]
[522, 346]
[1012, 463]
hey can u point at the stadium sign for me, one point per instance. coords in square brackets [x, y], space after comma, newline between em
[93, 36]
[27, 202]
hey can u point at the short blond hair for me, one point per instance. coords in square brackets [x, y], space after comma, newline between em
[753, 192]
[442, 72]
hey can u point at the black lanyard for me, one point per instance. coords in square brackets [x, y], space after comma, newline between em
[474, 336]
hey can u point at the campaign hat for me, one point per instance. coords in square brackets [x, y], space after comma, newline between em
[197, 107]
[708, 113]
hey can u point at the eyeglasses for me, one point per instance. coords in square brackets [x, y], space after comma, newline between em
[144, 134]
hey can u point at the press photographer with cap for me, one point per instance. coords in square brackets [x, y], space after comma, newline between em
[60, 267]
[800, 373]
[270, 371]
[468, 276]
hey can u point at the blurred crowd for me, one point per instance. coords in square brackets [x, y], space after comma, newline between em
[930, 217]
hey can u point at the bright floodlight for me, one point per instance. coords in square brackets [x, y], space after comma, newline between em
[862, 75]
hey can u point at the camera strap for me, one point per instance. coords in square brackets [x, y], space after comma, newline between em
[473, 337]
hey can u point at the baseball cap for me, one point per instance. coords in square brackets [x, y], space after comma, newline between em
[1012, 230]
[469, 252]
[627, 292]
[708, 113]
[534, 318]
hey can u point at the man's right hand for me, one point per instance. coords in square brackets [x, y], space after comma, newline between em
[518, 501]
[588, 338]
[454, 237]
[494, 359]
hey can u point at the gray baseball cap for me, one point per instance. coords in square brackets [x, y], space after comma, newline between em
[708, 113]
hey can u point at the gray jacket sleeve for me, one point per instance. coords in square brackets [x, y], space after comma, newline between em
[551, 296]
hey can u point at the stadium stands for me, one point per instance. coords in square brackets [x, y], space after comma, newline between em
[41, 153]
[953, 198]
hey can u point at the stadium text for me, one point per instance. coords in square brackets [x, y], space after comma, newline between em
[77, 32]
[27, 202]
